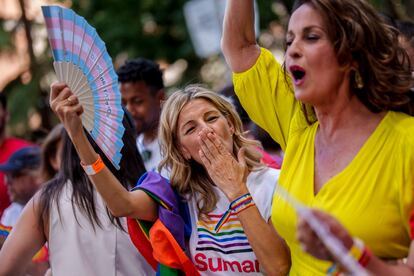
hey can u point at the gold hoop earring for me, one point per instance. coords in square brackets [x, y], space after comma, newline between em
[358, 80]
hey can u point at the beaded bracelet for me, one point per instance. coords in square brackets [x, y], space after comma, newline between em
[236, 206]
[359, 252]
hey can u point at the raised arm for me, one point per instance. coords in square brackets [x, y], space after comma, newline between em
[239, 42]
[120, 202]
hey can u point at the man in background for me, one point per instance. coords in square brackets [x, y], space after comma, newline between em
[22, 179]
[8, 145]
[142, 90]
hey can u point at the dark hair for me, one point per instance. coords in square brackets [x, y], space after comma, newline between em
[131, 168]
[264, 137]
[406, 28]
[49, 151]
[388, 19]
[360, 35]
[3, 100]
[141, 69]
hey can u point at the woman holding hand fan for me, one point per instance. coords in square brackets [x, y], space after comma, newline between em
[68, 214]
[228, 193]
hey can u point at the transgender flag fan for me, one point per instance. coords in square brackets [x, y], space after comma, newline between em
[82, 62]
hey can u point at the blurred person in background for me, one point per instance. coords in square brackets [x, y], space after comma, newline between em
[142, 90]
[8, 145]
[22, 178]
[51, 153]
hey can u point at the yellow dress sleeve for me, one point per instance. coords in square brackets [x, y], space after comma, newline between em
[266, 94]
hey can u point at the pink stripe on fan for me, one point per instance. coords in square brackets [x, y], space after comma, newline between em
[86, 46]
[54, 33]
[93, 56]
[56, 44]
[52, 22]
[77, 39]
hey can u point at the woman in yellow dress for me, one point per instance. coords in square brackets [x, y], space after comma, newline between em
[346, 125]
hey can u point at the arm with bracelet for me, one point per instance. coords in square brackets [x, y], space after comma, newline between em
[232, 182]
[206, 129]
[355, 247]
[120, 202]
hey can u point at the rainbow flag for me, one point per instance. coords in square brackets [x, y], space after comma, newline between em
[41, 256]
[162, 243]
[4, 230]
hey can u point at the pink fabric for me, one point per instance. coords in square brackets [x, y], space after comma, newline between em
[9, 146]
[270, 161]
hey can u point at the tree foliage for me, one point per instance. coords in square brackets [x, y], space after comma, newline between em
[149, 28]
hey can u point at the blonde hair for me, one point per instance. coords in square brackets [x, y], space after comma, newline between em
[187, 176]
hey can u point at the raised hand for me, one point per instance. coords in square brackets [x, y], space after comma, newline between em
[226, 172]
[66, 106]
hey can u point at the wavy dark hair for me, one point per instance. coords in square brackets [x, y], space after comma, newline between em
[131, 168]
[359, 34]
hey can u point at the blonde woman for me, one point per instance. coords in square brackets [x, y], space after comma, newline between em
[228, 192]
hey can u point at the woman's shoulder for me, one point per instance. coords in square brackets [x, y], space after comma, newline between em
[402, 124]
[396, 136]
[265, 57]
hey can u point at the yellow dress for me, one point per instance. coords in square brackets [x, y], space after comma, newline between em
[372, 197]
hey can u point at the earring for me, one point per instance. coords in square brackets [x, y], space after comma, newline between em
[358, 80]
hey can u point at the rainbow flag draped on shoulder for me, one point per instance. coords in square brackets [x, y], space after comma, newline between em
[162, 243]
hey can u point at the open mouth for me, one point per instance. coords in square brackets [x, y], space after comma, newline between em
[297, 72]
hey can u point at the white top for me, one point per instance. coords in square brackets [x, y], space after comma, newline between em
[150, 153]
[76, 248]
[11, 214]
[228, 252]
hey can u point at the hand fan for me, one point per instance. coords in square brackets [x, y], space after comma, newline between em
[83, 63]
[322, 231]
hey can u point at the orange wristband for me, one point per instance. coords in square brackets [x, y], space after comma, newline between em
[94, 168]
